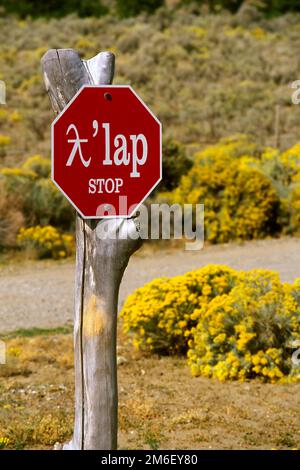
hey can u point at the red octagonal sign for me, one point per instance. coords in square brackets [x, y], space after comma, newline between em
[106, 151]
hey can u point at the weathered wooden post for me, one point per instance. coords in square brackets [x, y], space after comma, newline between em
[100, 264]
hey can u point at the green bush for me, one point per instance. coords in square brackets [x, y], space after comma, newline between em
[11, 218]
[53, 8]
[283, 169]
[277, 7]
[35, 196]
[270, 7]
[127, 8]
[217, 5]
[175, 164]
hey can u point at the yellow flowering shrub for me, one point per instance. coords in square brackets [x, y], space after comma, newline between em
[245, 334]
[233, 325]
[294, 207]
[248, 191]
[5, 141]
[39, 165]
[159, 315]
[46, 242]
[283, 169]
[259, 33]
[290, 159]
[290, 192]
[4, 441]
[240, 200]
[15, 116]
[4, 115]
[18, 180]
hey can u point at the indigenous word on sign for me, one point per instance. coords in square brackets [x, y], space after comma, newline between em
[121, 155]
[106, 145]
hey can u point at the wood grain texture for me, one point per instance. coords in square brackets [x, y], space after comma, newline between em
[100, 264]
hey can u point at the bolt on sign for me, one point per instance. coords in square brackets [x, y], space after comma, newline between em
[106, 151]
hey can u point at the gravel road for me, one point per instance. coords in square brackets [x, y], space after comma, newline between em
[40, 294]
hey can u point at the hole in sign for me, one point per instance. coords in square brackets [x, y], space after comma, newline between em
[108, 96]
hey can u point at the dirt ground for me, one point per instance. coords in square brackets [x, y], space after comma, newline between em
[160, 405]
[41, 293]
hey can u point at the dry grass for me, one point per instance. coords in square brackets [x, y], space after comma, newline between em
[161, 406]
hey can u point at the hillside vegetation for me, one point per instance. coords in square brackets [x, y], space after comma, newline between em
[205, 76]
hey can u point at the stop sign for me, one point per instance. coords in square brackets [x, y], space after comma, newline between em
[106, 151]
